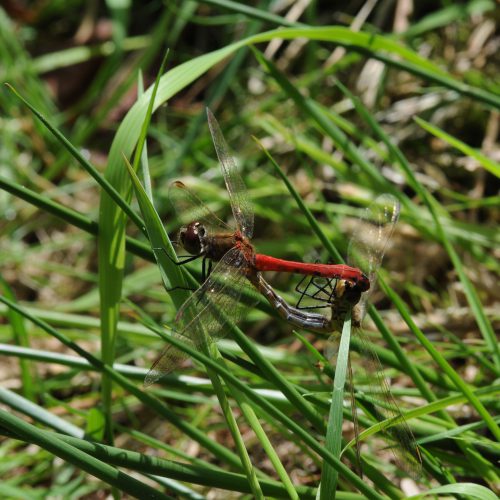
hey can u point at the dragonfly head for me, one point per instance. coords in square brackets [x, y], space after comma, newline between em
[363, 283]
[351, 293]
[192, 237]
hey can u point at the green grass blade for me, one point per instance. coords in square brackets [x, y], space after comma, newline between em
[447, 15]
[252, 12]
[436, 212]
[172, 275]
[107, 187]
[488, 164]
[385, 49]
[443, 364]
[469, 490]
[21, 338]
[290, 424]
[333, 440]
[266, 444]
[145, 125]
[162, 409]
[38, 414]
[70, 216]
[31, 434]
[144, 164]
[250, 471]
[181, 471]
[76, 55]
[112, 220]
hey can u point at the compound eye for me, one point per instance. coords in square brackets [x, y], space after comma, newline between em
[190, 237]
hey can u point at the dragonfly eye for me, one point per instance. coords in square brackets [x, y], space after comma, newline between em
[191, 237]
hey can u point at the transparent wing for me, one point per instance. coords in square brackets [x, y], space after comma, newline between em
[367, 246]
[370, 375]
[203, 317]
[332, 347]
[355, 423]
[189, 208]
[366, 251]
[405, 449]
[240, 203]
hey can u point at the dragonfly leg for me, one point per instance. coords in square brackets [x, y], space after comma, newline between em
[187, 288]
[185, 260]
[302, 291]
[206, 269]
[178, 262]
[323, 292]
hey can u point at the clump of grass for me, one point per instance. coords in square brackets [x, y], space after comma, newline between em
[78, 271]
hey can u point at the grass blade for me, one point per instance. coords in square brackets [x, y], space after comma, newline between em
[333, 440]
[31, 434]
[488, 164]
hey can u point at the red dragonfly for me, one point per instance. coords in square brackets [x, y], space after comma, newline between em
[366, 250]
[237, 266]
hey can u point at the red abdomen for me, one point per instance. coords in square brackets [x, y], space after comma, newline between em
[336, 271]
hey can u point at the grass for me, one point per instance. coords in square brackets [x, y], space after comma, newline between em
[85, 308]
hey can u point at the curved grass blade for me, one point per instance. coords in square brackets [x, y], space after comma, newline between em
[173, 276]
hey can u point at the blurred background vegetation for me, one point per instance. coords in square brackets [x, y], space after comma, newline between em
[410, 107]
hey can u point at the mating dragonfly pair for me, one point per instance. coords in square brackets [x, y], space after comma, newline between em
[238, 267]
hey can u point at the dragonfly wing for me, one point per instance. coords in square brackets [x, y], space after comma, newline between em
[204, 316]
[168, 360]
[332, 347]
[366, 251]
[405, 450]
[355, 423]
[240, 203]
[189, 208]
[368, 244]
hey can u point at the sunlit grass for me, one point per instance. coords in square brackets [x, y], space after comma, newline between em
[77, 272]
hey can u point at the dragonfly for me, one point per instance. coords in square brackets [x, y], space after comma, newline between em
[234, 267]
[366, 250]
